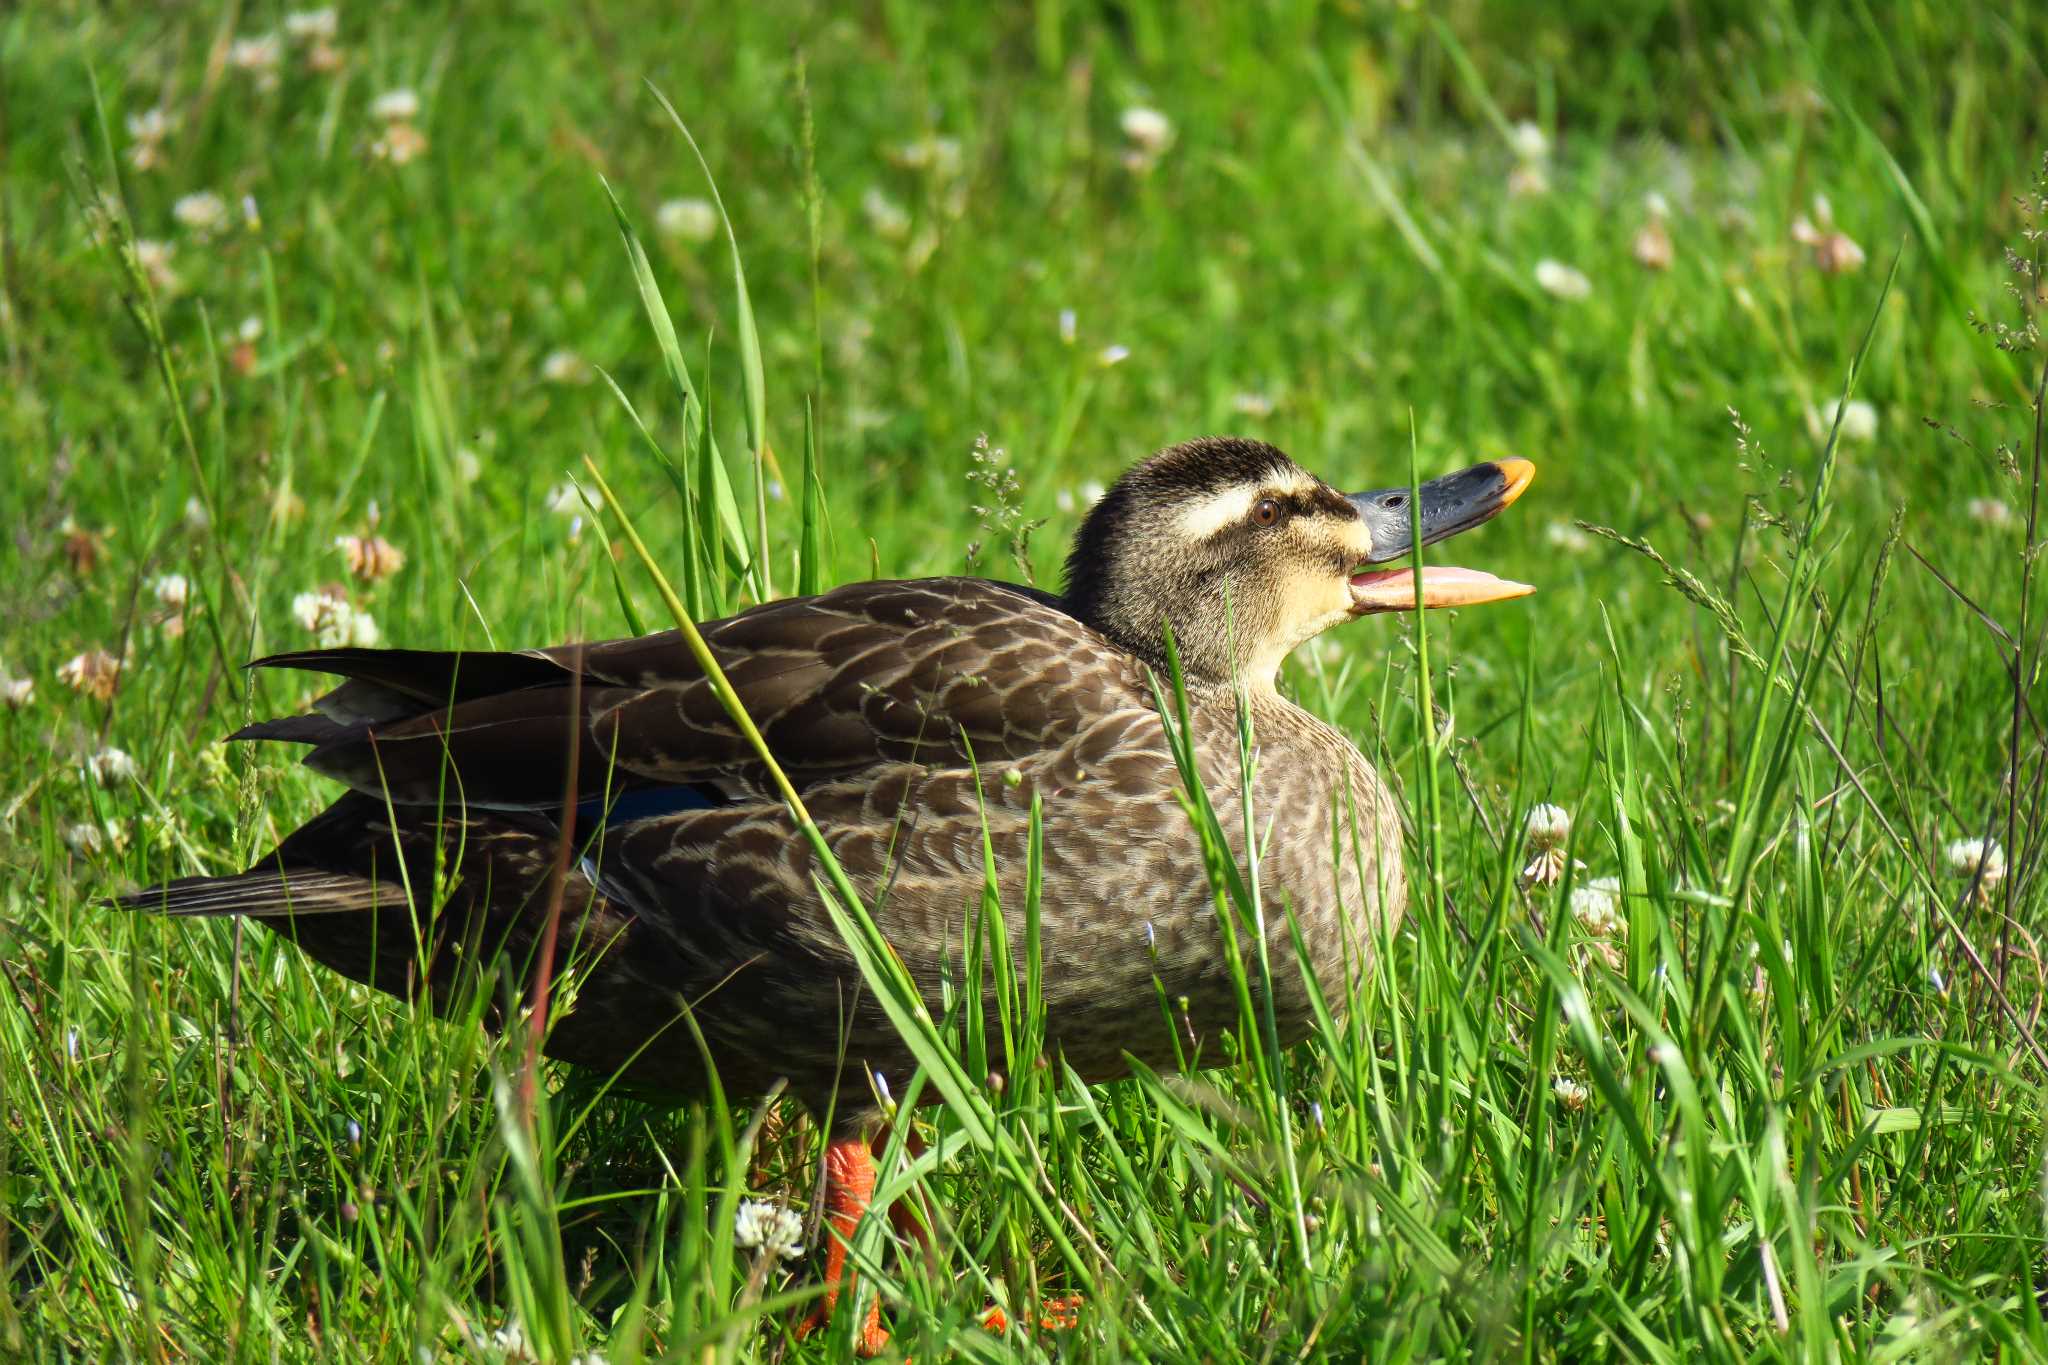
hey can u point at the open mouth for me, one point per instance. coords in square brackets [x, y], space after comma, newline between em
[1442, 508]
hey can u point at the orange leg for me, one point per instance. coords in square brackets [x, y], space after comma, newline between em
[849, 1188]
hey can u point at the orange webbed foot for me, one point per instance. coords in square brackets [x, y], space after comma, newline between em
[1054, 1315]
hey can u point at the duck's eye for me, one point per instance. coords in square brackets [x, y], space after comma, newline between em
[1265, 512]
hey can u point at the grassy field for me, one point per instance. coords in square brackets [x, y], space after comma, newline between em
[1774, 1090]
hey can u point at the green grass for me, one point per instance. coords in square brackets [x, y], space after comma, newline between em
[1793, 1110]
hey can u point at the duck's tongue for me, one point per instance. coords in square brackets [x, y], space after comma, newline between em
[1394, 589]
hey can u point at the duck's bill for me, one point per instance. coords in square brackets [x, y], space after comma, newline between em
[1443, 507]
[1394, 589]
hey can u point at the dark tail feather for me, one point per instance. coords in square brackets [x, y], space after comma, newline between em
[267, 893]
[314, 730]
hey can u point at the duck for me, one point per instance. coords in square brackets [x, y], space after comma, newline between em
[920, 720]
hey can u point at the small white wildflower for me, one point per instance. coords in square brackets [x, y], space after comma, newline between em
[1528, 180]
[398, 105]
[510, 1343]
[151, 125]
[1597, 908]
[1569, 1093]
[885, 215]
[1064, 499]
[690, 220]
[312, 25]
[564, 366]
[564, 499]
[1652, 246]
[88, 837]
[1148, 128]
[15, 693]
[1656, 205]
[369, 558]
[110, 767]
[1069, 327]
[1978, 860]
[1990, 512]
[939, 155]
[334, 621]
[258, 55]
[1565, 536]
[1112, 355]
[1547, 827]
[1250, 403]
[1838, 254]
[172, 590]
[467, 465]
[155, 259]
[203, 212]
[1093, 492]
[1859, 420]
[761, 1225]
[1562, 281]
[251, 329]
[401, 144]
[1530, 142]
[196, 518]
[93, 673]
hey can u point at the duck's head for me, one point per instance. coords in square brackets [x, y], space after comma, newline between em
[1247, 555]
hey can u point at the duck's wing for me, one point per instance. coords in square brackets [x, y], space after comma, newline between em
[927, 671]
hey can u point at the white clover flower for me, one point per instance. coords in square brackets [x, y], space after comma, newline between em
[468, 468]
[1837, 254]
[1656, 205]
[1565, 536]
[172, 590]
[110, 767]
[769, 1228]
[250, 330]
[398, 105]
[154, 258]
[1859, 420]
[885, 215]
[1597, 907]
[1148, 128]
[1529, 140]
[1093, 491]
[1569, 1093]
[939, 155]
[369, 558]
[1069, 327]
[312, 25]
[1979, 860]
[1562, 281]
[334, 621]
[258, 55]
[1547, 827]
[151, 125]
[1528, 180]
[564, 366]
[1652, 246]
[93, 673]
[401, 143]
[1112, 355]
[203, 212]
[564, 499]
[1250, 403]
[691, 220]
[15, 693]
[1989, 512]
[89, 837]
